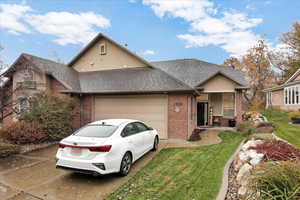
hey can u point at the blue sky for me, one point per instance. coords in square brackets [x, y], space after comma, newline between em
[210, 30]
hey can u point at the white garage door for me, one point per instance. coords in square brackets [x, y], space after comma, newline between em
[151, 109]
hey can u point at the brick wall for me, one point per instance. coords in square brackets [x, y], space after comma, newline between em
[178, 116]
[83, 104]
[239, 105]
[55, 86]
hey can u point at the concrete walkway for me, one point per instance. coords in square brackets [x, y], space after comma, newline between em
[33, 176]
[208, 137]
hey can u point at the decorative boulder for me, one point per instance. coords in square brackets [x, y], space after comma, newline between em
[242, 191]
[244, 171]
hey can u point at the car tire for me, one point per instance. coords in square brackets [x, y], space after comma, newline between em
[155, 144]
[125, 164]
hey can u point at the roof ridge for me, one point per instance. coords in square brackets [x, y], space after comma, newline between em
[46, 59]
[176, 79]
[180, 59]
[120, 69]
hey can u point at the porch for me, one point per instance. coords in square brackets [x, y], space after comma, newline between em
[215, 109]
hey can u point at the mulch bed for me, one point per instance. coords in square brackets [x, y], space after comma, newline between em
[233, 187]
[32, 147]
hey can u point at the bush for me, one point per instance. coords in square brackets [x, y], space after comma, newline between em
[276, 181]
[54, 112]
[245, 128]
[277, 150]
[21, 132]
[8, 149]
[262, 136]
[294, 114]
[265, 127]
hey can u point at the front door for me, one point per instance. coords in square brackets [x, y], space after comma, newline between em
[202, 113]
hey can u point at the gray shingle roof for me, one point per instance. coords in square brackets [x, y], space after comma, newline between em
[66, 75]
[146, 79]
[166, 76]
[130, 80]
[194, 72]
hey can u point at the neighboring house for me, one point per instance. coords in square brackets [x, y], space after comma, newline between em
[285, 96]
[109, 81]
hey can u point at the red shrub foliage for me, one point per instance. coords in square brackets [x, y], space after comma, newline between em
[277, 150]
[21, 132]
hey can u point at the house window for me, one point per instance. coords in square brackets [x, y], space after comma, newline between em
[291, 95]
[23, 104]
[28, 75]
[228, 105]
[102, 47]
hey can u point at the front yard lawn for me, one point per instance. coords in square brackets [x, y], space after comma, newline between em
[284, 129]
[182, 173]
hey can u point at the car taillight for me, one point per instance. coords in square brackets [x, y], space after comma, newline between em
[105, 148]
[60, 145]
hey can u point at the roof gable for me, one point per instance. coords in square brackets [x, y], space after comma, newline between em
[115, 57]
[294, 77]
[195, 72]
[218, 83]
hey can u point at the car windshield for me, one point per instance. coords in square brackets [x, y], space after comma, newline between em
[100, 131]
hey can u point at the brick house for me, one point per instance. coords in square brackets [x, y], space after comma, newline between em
[285, 96]
[109, 81]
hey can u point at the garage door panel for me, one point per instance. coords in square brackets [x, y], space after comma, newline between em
[150, 109]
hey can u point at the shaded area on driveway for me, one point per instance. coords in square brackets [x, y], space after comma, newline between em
[33, 176]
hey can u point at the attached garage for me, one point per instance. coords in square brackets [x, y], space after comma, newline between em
[152, 109]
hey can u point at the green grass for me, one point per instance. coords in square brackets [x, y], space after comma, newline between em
[284, 129]
[182, 173]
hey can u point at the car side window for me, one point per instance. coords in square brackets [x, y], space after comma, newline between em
[141, 127]
[129, 129]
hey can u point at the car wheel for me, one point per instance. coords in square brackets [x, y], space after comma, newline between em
[125, 164]
[155, 144]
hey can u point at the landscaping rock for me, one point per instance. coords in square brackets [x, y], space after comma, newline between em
[245, 170]
[255, 161]
[254, 116]
[250, 143]
[242, 191]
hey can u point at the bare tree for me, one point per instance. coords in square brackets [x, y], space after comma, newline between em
[56, 57]
[7, 103]
[257, 69]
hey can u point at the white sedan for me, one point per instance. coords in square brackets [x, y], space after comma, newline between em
[106, 146]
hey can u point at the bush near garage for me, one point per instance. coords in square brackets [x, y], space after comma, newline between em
[54, 112]
[21, 132]
[8, 149]
[277, 150]
[276, 181]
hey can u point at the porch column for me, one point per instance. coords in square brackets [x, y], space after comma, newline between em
[239, 105]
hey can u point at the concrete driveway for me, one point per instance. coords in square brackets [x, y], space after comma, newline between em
[33, 176]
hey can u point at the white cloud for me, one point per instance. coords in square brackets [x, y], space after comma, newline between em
[230, 30]
[250, 7]
[68, 28]
[268, 2]
[148, 52]
[11, 18]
